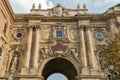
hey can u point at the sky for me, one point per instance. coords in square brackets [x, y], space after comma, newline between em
[57, 76]
[94, 6]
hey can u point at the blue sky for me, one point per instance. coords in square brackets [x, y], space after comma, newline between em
[94, 6]
[57, 76]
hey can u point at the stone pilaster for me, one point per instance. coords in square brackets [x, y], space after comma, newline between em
[28, 47]
[36, 47]
[90, 47]
[82, 45]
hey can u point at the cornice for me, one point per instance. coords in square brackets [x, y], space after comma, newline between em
[27, 17]
[8, 8]
[111, 15]
[92, 17]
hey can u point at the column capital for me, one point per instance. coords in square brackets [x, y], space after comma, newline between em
[88, 27]
[33, 26]
[37, 26]
[29, 28]
[81, 27]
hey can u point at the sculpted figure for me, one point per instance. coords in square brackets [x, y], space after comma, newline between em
[44, 53]
[10, 56]
[10, 77]
[75, 54]
[2, 69]
[14, 63]
[103, 63]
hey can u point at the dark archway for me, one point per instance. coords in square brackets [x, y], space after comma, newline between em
[59, 65]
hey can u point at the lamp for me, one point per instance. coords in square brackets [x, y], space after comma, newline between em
[113, 73]
[111, 66]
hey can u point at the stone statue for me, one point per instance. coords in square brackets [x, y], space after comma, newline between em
[33, 6]
[2, 71]
[14, 63]
[10, 56]
[45, 52]
[10, 77]
[75, 54]
[103, 63]
[58, 10]
[43, 55]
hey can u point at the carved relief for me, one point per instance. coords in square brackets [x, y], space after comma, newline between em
[73, 34]
[10, 77]
[13, 58]
[10, 56]
[14, 64]
[60, 11]
[75, 54]
[46, 33]
[44, 54]
[19, 34]
[57, 11]
[57, 32]
[58, 50]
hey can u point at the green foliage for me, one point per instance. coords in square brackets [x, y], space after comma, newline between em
[112, 53]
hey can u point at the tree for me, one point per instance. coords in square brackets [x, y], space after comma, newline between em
[112, 53]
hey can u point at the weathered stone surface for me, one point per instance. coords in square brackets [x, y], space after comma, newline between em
[35, 45]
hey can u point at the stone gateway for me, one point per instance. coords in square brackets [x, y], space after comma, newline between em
[58, 40]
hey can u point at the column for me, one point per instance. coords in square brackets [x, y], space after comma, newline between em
[28, 47]
[90, 47]
[82, 45]
[36, 48]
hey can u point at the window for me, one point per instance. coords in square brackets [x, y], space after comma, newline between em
[59, 33]
[99, 35]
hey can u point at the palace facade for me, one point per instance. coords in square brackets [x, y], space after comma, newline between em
[58, 40]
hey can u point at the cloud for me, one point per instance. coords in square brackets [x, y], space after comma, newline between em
[26, 5]
[93, 5]
[101, 3]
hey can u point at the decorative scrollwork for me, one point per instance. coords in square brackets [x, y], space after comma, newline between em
[58, 51]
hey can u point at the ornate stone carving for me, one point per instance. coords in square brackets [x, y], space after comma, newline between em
[14, 64]
[13, 57]
[75, 54]
[10, 77]
[58, 50]
[44, 53]
[48, 33]
[57, 11]
[59, 33]
[59, 47]
[10, 56]
[60, 11]
[73, 34]
[19, 34]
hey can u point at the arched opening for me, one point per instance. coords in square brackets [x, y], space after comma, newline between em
[62, 66]
[57, 76]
